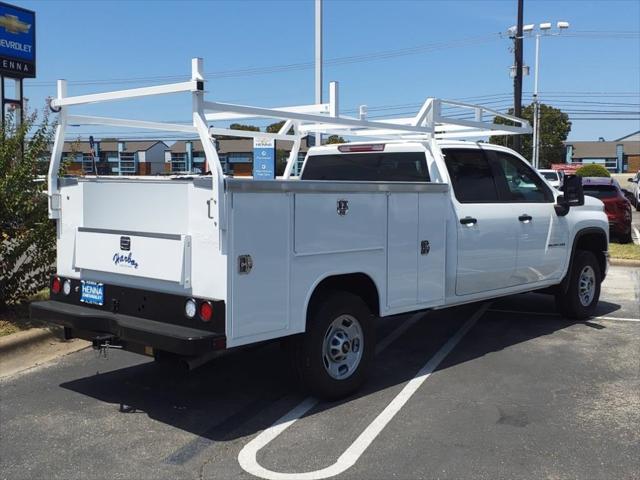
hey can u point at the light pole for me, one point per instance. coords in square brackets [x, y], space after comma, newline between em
[544, 29]
[318, 60]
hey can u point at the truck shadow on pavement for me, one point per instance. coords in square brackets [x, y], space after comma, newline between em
[245, 392]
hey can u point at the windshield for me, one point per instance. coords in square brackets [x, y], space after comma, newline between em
[600, 191]
[553, 176]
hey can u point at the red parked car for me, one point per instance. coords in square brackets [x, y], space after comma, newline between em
[616, 205]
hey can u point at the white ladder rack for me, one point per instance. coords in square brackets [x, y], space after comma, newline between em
[428, 123]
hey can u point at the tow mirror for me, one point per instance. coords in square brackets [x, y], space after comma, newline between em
[572, 190]
[572, 195]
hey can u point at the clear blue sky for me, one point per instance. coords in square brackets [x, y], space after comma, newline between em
[460, 55]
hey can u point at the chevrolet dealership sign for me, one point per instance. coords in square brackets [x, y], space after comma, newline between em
[17, 42]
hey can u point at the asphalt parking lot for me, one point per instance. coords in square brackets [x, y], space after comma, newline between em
[522, 394]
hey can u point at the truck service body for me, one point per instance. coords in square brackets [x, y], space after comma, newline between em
[408, 220]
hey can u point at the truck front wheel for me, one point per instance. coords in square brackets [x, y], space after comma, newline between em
[333, 357]
[581, 298]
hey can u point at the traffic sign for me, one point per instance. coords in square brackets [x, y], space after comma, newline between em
[264, 155]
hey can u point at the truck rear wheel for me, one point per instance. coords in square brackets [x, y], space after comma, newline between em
[333, 357]
[581, 298]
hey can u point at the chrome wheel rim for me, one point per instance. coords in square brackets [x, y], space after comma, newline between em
[342, 347]
[587, 286]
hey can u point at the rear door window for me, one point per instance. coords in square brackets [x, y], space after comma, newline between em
[371, 167]
[471, 175]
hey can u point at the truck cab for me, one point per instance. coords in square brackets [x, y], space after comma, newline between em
[503, 228]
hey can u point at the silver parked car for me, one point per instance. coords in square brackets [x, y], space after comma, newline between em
[554, 177]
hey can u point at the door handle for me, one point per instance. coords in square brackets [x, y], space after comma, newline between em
[468, 221]
[525, 218]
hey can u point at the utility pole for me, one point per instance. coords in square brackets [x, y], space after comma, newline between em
[318, 63]
[517, 81]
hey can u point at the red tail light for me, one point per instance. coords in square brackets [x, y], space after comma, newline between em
[206, 311]
[55, 285]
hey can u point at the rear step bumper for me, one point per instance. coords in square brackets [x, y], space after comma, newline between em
[87, 322]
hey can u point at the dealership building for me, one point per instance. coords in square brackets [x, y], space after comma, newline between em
[236, 155]
[115, 157]
[618, 156]
[155, 157]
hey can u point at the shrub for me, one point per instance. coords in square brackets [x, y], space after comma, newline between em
[593, 170]
[27, 236]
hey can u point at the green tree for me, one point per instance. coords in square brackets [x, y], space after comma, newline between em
[240, 126]
[554, 130]
[335, 139]
[593, 170]
[28, 237]
[275, 127]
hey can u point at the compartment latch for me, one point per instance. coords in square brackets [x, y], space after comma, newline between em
[245, 264]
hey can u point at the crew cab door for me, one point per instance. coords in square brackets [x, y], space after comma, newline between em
[542, 235]
[487, 236]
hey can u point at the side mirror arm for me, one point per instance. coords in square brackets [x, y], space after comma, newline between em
[562, 206]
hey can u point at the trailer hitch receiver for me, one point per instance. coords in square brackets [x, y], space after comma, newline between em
[102, 343]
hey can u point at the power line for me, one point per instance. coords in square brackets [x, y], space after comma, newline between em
[381, 55]
[367, 57]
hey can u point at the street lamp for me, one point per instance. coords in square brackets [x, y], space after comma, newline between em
[544, 29]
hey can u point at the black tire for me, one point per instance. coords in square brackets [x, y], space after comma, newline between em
[309, 350]
[626, 238]
[569, 304]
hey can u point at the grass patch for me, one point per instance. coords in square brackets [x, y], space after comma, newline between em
[628, 251]
[16, 317]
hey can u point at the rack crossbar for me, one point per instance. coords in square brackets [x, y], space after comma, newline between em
[122, 122]
[321, 108]
[190, 86]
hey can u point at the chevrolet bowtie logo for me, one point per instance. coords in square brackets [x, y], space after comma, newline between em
[13, 24]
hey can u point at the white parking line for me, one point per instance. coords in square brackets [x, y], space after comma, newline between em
[247, 456]
[553, 314]
[637, 239]
[619, 319]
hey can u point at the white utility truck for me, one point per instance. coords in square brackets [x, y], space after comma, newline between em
[409, 219]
